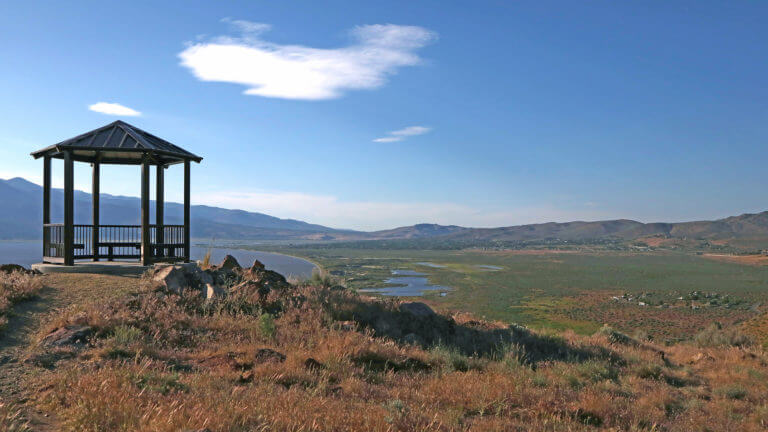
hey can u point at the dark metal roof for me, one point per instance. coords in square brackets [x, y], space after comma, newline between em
[119, 143]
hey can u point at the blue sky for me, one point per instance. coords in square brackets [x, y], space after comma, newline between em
[377, 114]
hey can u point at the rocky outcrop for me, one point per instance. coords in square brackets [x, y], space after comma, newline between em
[73, 335]
[229, 263]
[418, 309]
[227, 278]
[266, 355]
[14, 268]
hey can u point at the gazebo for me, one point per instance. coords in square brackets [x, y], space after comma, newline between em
[117, 143]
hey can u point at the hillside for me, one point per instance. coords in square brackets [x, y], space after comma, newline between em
[266, 355]
[743, 226]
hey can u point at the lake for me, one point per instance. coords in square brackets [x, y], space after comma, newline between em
[406, 283]
[27, 253]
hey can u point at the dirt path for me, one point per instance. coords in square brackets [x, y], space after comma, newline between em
[18, 339]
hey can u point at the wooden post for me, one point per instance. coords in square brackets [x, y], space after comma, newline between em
[186, 210]
[46, 205]
[95, 192]
[160, 209]
[69, 215]
[146, 253]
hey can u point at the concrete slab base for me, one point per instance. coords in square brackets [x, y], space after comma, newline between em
[117, 268]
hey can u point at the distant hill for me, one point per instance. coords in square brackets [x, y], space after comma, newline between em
[744, 226]
[418, 231]
[21, 216]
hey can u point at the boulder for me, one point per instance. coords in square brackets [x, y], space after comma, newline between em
[177, 278]
[229, 263]
[11, 268]
[266, 355]
[268, 278]
[172, 278]
[313, 365]
[73, 335]
[258, 265]
[413, 339]
[418, 309]
[213, 291]
[252, 290]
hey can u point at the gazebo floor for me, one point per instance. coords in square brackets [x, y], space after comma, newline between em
[117, 268]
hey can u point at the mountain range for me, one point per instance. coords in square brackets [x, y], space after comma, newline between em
[21, 217]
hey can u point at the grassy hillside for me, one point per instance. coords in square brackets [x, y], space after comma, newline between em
[319, 358]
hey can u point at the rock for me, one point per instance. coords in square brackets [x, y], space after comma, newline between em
[10, 268]
[177, 278]
[229, 263]
[258, 265]
[213, 291]
[268, 278]
[413, 339]
[266, 355]
[252, 290]
[313, 365]
[72, 335]
[48, 359]
[172, 278]
[224, 277]
[417, 308]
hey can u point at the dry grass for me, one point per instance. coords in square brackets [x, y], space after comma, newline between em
[16, 287]
[160, 362]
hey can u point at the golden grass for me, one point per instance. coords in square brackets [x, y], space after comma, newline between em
[161, 362]
[16, 287]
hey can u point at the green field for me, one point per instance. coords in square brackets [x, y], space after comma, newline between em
[665, 294]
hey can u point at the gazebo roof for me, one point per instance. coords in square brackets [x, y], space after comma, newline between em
[119, 143]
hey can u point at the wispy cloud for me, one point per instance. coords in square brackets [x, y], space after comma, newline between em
[113, 109]
[401, 134]
[301, 72]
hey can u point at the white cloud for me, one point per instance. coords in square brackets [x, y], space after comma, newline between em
[113, 109]
[388, 139]
[301, 72]
[375, 215]
[400, 135]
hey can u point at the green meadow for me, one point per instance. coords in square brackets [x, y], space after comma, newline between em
[663, 293]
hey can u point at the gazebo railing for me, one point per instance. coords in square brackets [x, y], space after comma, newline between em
[114, 242]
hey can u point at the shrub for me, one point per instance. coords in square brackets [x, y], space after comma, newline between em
[734, 392]
[323, 279]
[717, 336]
[126, 335]
[267, 325]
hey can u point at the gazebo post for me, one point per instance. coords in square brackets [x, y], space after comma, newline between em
[46, 205]
[186, 209]
[69, 216]
[95, 195]
[146, 253]
[160, 210]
